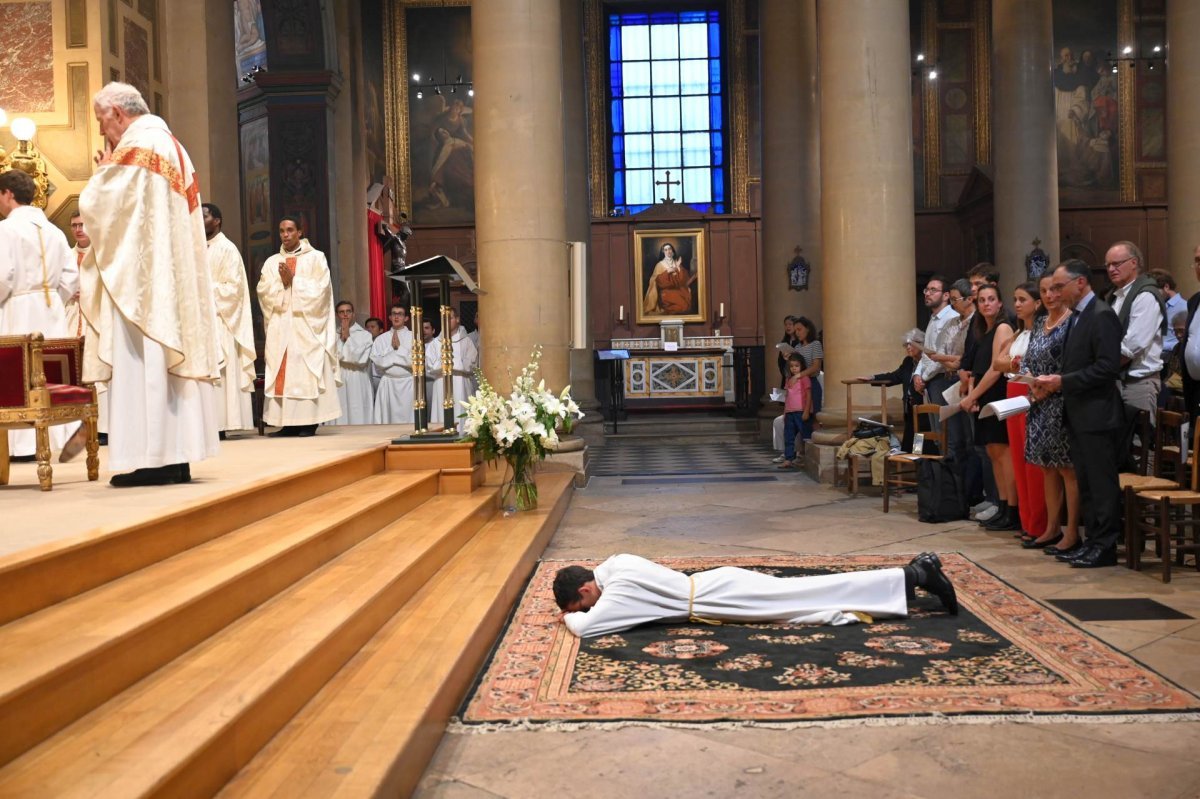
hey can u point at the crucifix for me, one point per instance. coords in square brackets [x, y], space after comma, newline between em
[668, 183]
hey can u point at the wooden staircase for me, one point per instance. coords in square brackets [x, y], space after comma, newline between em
[304, 636]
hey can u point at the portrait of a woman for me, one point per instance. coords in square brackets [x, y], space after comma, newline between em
[670, 287]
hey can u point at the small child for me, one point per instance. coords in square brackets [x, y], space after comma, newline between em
[797, 410]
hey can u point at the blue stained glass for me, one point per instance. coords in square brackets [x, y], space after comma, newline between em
[639, 151]
[618, 188]
[696, 150]
[668, 152]
[637, 209]
[618, 119]
[666, 77]
[633, 19]
[664, 42]
[693, 76]
[714, 113]
[641, 186]
[636, 76]
[714, 76]
[664, 18]
[614, 79]
[637, 115]
[696, 186]
[693, 16]
[666, 113]
[714, 40]
[693, 41]
[695, 113]
[718, 150]
[719, 184]
[635, 43]
[618, 151]
[614, 40]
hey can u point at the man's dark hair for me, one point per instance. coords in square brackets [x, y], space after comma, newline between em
[76, 215]
[20, 184]
[1077, 268]
[376, 320]
[295, 220]
[939, 277]
[340, 303]
[1163, 278]
[567, 582]
[213, 210]
[985, 270]
[399, 305]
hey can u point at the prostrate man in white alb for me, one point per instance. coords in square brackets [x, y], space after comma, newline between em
[356, 394]
[466, 358]
[82, 245]
[37, 276]
[147, 297]
[296, 297]
[625, 591]
[392, 355]
[232, 294]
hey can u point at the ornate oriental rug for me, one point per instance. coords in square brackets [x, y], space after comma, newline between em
[1004, 655]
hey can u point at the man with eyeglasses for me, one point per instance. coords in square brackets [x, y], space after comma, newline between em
[1091, 363]
[1139, 306]
[929, 370]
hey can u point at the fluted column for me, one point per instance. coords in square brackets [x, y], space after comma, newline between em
[867, 229]
[791, 162]
[1026, 187]
[520, 220]
[1183, 141]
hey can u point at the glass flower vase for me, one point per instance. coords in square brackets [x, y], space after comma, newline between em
[520, 491]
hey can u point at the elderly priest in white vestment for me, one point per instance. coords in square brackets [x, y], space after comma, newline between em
[38, 276]
[302, 373]
[625, 591]
[392, 355]
[147, 296]
[356, 393]
[235, 409]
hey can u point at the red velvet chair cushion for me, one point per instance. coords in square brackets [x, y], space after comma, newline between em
[68, 395]
[12, 377]
[53, 367]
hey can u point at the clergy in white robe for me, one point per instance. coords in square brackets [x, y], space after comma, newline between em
[82, 244]
[147, 296]
[433, 371]
[375, 327]
[356, 393]
[392, 355]
[38, 275]
[626, 590]
[231, 291]
[466, 358]
[301, 356]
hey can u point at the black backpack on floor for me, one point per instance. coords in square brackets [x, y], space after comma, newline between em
[939, 492]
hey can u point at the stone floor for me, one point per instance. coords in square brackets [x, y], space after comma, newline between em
[795, 515]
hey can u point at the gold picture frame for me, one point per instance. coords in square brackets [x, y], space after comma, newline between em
[683, 297]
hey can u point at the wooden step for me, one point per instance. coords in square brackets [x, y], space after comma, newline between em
[61, 662]
[39, 577]
[186, 729]
[373, 728]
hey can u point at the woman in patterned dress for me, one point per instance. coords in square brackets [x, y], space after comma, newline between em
[1046, 435]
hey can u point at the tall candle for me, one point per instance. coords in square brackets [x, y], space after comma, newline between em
[722, 314]
[621, 314]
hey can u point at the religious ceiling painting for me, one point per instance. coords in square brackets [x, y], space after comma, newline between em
[1087, 99]
[27, 57]
[671, 275]
[250, 47]
[440, 125]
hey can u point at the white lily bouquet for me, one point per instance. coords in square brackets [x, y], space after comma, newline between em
[521, 428]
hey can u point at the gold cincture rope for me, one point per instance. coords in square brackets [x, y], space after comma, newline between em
[45, 274]
[692, 601]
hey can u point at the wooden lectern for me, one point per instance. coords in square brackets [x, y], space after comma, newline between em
[442, 269]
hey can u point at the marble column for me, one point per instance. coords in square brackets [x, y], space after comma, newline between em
[1026, 161]
[520, 216]
[791, 162]
[201, 78]
[867, 230]
[1183, 141]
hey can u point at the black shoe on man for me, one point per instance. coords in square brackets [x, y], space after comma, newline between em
[1097, 558]
[926, 572]
[159, 476]
[1080, 552]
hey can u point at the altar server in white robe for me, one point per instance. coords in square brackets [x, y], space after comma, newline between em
[38, 275]
[302, 372]
[232, 292]
[625, 591]
[466, 358]
[392, 355]
[147, 296]
[433, 370]
[356, 394]
[82, 245]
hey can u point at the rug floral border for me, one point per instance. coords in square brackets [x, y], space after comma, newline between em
[528, 677]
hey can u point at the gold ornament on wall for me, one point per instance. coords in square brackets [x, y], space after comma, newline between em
[26, 157]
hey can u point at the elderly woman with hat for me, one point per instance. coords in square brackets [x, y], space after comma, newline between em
[914, 341]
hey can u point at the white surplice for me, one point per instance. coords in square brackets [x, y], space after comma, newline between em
[466, 358]
[434, 384]
[635, 591]
[147, 299]
[394, 398]
[356, 394]
[38, 274]
[232, 294]
[301, 354]
[74, 318]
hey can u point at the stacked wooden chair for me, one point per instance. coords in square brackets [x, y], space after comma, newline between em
[41, 385]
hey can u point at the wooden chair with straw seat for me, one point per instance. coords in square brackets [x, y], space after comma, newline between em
[1168, 467]
[41, 386]
[1169, 516]
[900, 470]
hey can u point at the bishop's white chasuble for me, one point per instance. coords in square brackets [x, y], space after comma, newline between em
[232, 295]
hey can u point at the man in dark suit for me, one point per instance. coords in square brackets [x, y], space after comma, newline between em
[1093, 411]
[1190, 346]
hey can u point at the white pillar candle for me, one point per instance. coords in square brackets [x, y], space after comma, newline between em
[722, 313]
[621, 314]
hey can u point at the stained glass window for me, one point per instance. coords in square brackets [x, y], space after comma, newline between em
[666, 110]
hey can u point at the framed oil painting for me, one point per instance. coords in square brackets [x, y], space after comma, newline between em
[670, 271]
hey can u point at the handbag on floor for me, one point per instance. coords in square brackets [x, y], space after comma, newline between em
[939, 492]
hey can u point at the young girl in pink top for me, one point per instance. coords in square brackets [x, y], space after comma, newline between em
[797, 410]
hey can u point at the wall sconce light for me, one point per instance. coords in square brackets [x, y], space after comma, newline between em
[27, 158]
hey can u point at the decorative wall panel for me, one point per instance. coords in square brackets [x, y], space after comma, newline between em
[27, 51]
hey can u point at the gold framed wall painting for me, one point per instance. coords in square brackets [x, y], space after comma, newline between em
[670, 272]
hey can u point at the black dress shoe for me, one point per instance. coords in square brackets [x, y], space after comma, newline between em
[928, 560]
[1033, 543]
[1096, 559]
[160, 476]
[306, 430]
[288, 431]
[1067, 557]
[937, 583]
[1059, 550]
